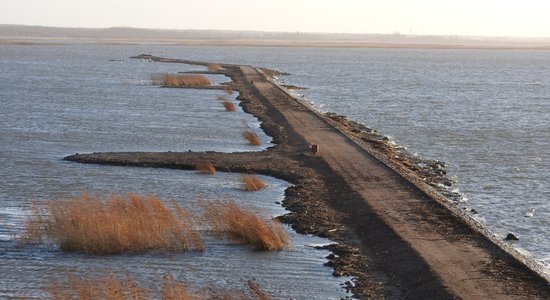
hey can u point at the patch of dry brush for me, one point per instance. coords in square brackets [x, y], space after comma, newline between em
[214, 67]
[205, 167]
[230, 106]
[112, 288]
[252, 138]
[252, 183]
[113, 225]
[181, 80]
[108, 287]
[229, 220]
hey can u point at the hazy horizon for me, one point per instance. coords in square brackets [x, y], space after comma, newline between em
[488, 18]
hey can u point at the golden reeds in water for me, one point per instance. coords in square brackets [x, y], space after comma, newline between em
[252, 138]
[205, 167]
[113, 225]
[175, 290]
[252, 183]
[229, 220]
[181, 80]
[230, 106]
[214, 67]
[110, 287]
[107, 287]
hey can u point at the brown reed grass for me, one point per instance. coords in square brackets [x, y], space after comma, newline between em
[175, 290]
[114, 225]
[229, 220]
[205, 167]
[230, 106]
[252, 183]
[108, 287]
[214, 67]
[181, 80]
[252, 138]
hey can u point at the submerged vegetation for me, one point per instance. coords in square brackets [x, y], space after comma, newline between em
[233, 222]
[107, 287]
[181, 80]
[110, 287]
[114, 225]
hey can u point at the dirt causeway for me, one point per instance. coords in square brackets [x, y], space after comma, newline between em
[396, 234]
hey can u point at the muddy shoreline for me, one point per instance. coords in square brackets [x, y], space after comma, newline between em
[321, 202]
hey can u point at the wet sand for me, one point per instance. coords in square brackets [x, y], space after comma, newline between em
[397, 235]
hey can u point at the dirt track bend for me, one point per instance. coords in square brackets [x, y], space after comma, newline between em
[457, 262]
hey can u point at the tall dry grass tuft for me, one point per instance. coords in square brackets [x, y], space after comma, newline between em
[108, 287]
[112, 288]
[252, 138]
[175, 290]
[179, 80]
[214, 67]
[114, 225]
[228, 220]
[205, 167]
[252, 183]
[230, 106]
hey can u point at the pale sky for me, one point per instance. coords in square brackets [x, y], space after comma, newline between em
[530, 18]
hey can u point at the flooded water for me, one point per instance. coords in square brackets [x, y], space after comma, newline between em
[485, 113]
[60, 100]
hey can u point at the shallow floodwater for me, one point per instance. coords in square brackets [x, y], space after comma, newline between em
[59, 100]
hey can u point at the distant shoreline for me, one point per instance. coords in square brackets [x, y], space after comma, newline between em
[33, 41]
[42, 35]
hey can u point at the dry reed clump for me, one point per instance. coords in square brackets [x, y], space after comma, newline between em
[230, 106]
[205, 167]
[214, 67]
[229, 220]
[252, 138]
[175, 290]
[179, 80]
[108, 287]
[114, 225]
[252, 183]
